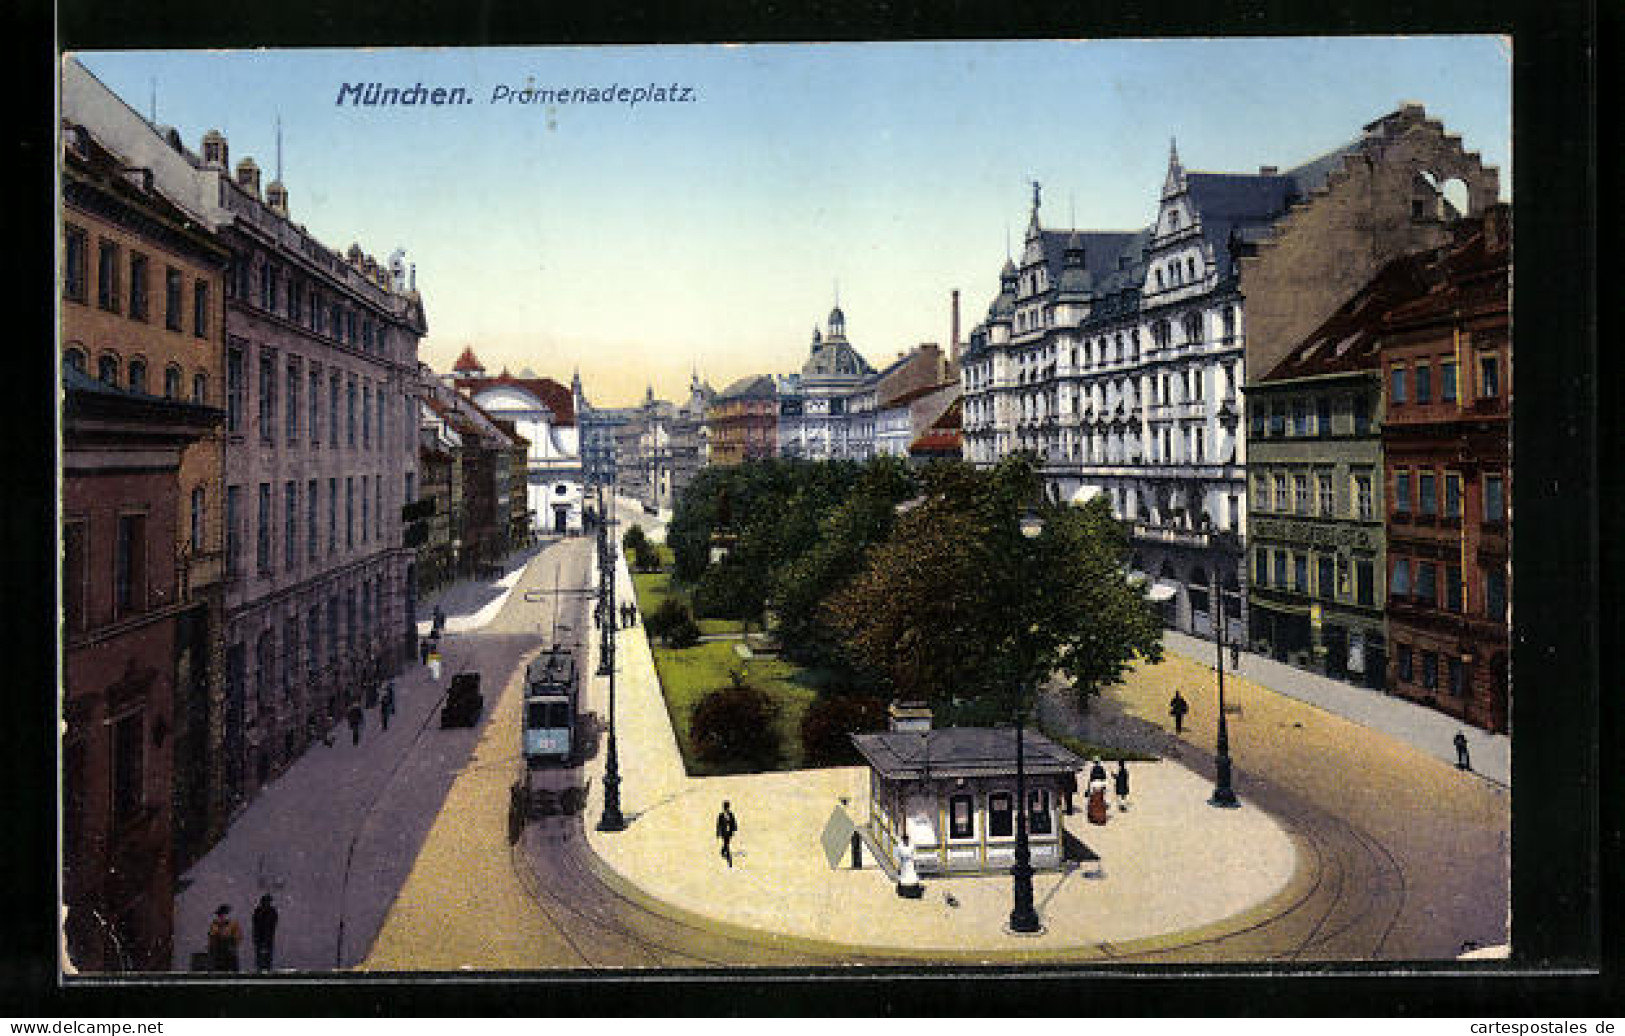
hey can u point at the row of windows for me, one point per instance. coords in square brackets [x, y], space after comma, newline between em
[268, 287]
[135, 301]
[301, 525]
[1304, 417]
[1414, 383]
[108, 371]
[309, 642]
[1422, 668]
[1427, 503]
[1430, 584]
[1334, 580]
[1290, 493]
[356, 408]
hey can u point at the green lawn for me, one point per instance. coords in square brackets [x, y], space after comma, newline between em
[689, 675]
[654, 587]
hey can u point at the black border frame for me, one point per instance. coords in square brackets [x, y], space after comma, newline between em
[1559, 827]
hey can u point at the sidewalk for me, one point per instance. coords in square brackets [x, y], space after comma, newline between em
[1151, 856]
[470, 604]
[1422, 728]
[332, 838]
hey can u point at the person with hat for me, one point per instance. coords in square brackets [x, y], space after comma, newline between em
[225, 935]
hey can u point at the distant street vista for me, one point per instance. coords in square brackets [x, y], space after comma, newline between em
[1158, 612]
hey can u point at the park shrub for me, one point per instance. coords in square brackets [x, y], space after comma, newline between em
[734, 728]
[633, 539]
[645, 556]
[673, 623]
[829, 721]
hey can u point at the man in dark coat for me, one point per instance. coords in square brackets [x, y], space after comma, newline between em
[354, 716]
[727, 826]
[1069, 788]
[1177, 709]
[1462, 760]
[263, 928]
[386, 706]
[1120, 781]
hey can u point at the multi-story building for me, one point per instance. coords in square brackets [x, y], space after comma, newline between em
[321, 360]
[1117, 357]
[130, 659]
[907, 377]
[814, 406]
[1446, 358]
[543, 413]
[688, 437]
[481, 455]
[142, 289]
[742, 421]
[942, 440]
[1315, 473]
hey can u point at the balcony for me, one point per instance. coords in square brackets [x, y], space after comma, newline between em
[1181, 536]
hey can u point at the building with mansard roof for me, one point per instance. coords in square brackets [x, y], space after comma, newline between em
[815, 405]
[1117, 358]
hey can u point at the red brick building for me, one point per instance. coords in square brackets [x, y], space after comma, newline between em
[126, 662]
[1447, 368]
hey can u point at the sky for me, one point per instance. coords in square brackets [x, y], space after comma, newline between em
[641, 242]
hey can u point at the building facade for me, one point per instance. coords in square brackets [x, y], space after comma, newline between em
[1447, 369]
[742, 421]
[542, 412]
[1117, 358]
[1315, 472]
[815, 418]
[142, 291]
[132, 656]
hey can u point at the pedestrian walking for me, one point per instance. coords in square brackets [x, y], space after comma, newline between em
[354, 717]
[908, 878]
[1235, 655]
[225, 935]
[1462, 760]
[631, 614]
[439, 620]
[1120, 778]
[1069, 788]
[262, 927]
[1177, 707]
[386, 707]
[1097, 773]
[727, 826]
[424, 646]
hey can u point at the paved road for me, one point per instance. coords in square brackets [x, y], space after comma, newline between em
[1402, 856]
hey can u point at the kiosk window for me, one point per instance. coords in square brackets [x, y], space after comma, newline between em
[1001, 815]
[1038, 812]
[961, 817]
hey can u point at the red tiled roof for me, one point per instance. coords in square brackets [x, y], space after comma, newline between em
[946, 443]
[554, 396]
[912, 394]
[467, 361]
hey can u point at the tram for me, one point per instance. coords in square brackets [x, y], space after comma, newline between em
[551, 682]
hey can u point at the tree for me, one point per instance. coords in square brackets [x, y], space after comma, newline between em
[634, 538]
[958, 605]
[674, 623]
[829, 722]
[733, 727]
[646, 556]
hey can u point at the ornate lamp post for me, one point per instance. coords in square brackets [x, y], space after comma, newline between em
[1224, 796]
[612, 820]
[1023, 917]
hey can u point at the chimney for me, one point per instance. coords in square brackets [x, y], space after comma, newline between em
[276, 196]
[953, 337]
[1268, 170]
[248, 176]
[215, 151]
[910, 717]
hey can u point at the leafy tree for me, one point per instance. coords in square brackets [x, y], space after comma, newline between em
[634, 538]
[831, 719]
[733, 727]
[646, 556]
[958, 605]
[671, 614]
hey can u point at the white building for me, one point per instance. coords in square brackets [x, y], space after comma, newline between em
[815, 406]
[543, 413]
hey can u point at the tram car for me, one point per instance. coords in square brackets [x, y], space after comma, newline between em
[551, 681]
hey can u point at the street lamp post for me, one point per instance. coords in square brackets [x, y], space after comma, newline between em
[1023, 917]
[1224, 796]
[612, 820]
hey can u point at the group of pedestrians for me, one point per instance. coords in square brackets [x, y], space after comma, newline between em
[1095, 807]
[356, 715]
[629, 615]
[226, 935]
